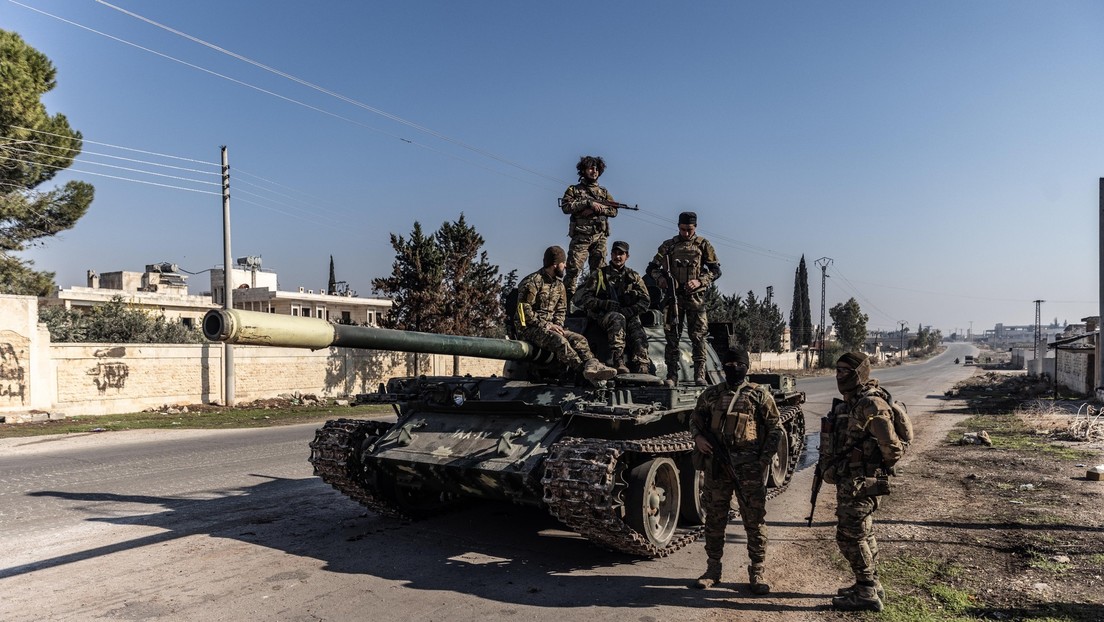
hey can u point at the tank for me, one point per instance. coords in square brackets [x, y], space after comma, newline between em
[611, 461]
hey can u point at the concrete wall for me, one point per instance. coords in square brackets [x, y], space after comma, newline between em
[773, 361]
[100, 379]
[1075, 370]
[90, 378]
[23, 355]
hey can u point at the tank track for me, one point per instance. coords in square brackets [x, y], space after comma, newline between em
[793, 419]
[335, 454]
[581, 489]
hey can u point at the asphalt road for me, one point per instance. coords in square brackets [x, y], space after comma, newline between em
[230, 525]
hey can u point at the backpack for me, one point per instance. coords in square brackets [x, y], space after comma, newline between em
[902, 423]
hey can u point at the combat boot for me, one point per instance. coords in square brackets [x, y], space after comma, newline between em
[671, 380]
[878, 589]
[711, 577]
[862, 598]
[617, 361]
[755, 580]
[596, 372]
[699, 373]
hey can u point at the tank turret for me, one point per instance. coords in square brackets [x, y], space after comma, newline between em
[611, 462]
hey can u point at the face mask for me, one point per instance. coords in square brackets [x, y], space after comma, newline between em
[560, 272]
[735, 375]
[847, 382]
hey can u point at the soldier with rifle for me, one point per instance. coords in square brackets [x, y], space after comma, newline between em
[684, 267]
[859, 447]
[590, 207]
[736, 428]
[614, 297]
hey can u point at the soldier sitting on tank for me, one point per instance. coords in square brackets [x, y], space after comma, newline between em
[540, 314]
[614, 296]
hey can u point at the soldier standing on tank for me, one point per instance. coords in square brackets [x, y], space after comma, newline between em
[540, 315]
[860, 448]
[743, 417]
[615, 295]
[690, 261]
[589, 225]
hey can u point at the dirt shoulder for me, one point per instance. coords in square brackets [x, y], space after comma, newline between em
[1012, 531]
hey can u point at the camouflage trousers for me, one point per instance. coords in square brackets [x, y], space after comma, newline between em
[570, 348]
[693, 318]
[584, 247]
[855, 532]
[626, 337]
[751, 495]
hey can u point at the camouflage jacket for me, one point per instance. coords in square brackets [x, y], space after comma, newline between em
[689, 259]
[583, 219]
[863, 438]
[715, 410]
[612, 289]
[542, 300]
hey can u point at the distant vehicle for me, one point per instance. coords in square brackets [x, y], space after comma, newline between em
[969, 360]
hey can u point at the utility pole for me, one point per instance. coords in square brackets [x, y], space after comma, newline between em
[823, 262]
[770, 294]
[904, 331]
[227, 282]
[1100, 300]
[1038, 309]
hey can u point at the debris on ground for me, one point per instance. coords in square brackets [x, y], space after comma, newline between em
[976, 438]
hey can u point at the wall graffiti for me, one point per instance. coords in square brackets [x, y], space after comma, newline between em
[109, 374]
[13, 369]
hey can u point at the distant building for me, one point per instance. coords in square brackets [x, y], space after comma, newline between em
[257, 290]
[162, 289]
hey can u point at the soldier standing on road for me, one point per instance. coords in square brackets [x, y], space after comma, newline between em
[743, 417]
[691, 262]
[863, 447]
[589, 226]
[614, 295]
[540, 315]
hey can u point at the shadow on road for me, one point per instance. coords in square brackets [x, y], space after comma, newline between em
[495, 551]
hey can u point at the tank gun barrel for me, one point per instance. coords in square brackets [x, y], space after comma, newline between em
[266, 329]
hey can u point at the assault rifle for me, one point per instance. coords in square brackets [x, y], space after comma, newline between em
[607, 204]
[720, 451]
[724, 458]
[672, 290]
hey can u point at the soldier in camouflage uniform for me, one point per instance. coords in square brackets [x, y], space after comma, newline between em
[614, 295]
[589, 226]
[540, 314]
[693, 266]
[742, 416]
[857, 453]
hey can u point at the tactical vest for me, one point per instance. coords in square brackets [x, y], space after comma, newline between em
[686, 260]
[733, 419]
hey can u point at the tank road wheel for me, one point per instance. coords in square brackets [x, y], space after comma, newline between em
[779, 465]
[652, 500]
[692, 491]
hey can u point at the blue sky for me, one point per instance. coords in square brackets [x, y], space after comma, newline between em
[946, 155]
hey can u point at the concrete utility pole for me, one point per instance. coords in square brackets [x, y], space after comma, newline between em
[1100, 300]
[823, 262]
[227, 282]
[1038, 309]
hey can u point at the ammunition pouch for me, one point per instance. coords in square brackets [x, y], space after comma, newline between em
[876, 486]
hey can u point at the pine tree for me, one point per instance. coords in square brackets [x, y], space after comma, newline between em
[415, 286]
[472, 285]
[331, 285]
[34, 147]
